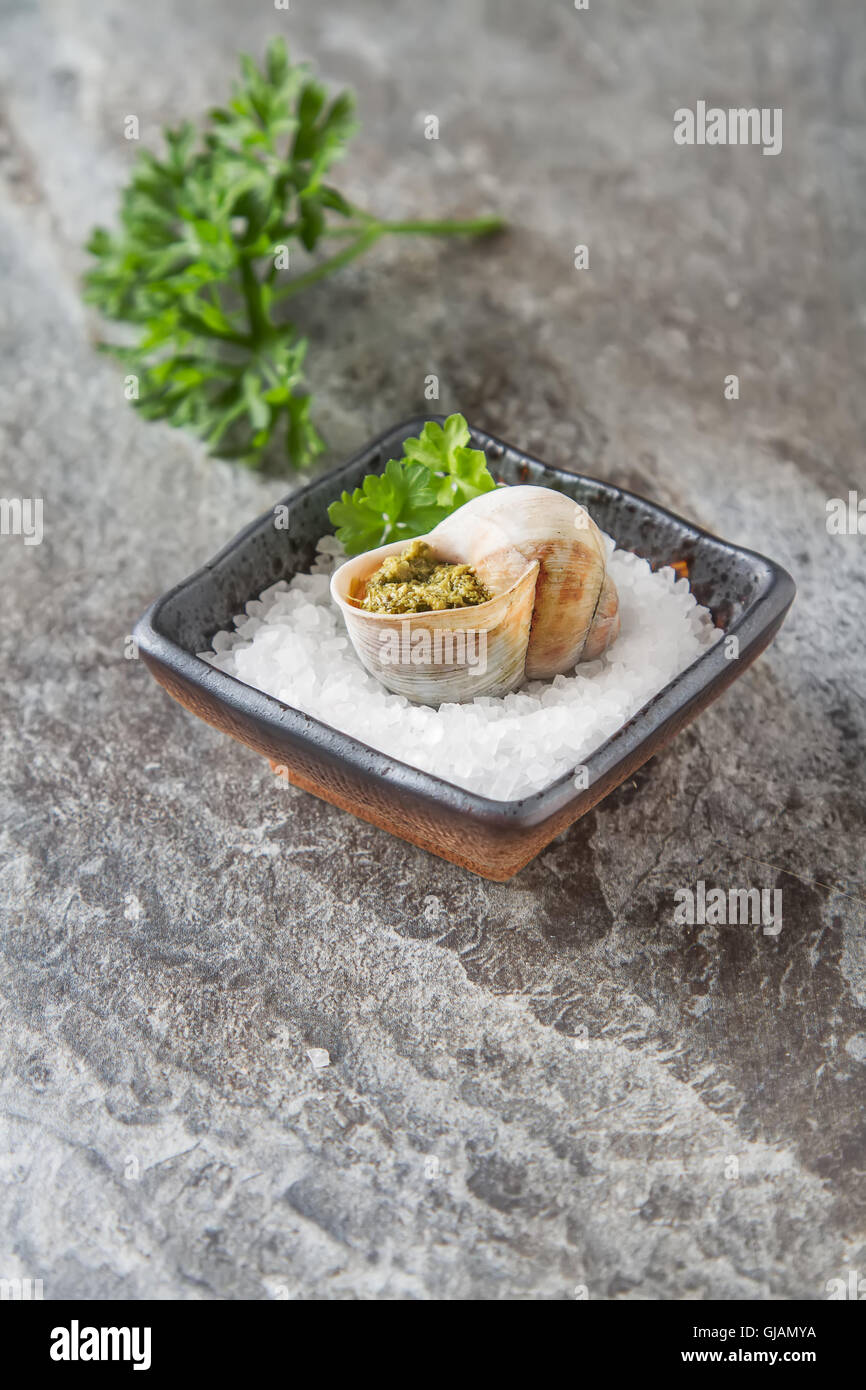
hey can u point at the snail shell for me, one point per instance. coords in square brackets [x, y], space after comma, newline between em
[542, 558]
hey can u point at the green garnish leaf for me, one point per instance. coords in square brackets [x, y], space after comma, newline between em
[462, 472]
[437, 474]
[392, 506]
[198, 263]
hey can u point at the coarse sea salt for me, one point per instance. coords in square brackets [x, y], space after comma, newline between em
[291, 643]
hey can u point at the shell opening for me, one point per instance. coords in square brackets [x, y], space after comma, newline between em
[350, 589]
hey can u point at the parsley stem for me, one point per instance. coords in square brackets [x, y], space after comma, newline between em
[357, 248]
[476, 226]
[372, 229]
[261, 327]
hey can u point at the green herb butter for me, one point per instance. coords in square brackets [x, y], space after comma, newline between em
[416, 582]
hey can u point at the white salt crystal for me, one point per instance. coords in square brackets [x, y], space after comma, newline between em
[279, 588]
[291, 642]
[329, 545]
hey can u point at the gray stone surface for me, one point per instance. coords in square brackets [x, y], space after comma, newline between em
[533, 1086]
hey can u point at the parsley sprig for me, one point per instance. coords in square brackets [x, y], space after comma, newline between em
[197, 266]
[436, 475]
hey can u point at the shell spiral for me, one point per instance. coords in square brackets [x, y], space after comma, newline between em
[544, 561]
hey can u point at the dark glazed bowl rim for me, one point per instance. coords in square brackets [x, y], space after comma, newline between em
[776, 590]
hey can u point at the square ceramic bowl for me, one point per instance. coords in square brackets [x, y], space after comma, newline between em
[747, 594]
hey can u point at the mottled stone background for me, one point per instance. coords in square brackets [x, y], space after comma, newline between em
[537, 1085]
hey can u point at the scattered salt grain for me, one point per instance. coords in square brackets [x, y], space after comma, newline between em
[291, 643]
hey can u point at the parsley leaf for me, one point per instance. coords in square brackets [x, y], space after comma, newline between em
[436, 476]
[391, 506]
[198, 262]
[462, 472]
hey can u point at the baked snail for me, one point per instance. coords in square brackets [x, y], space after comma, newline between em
[542, 559]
